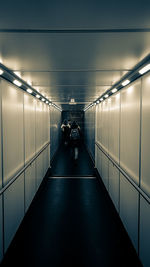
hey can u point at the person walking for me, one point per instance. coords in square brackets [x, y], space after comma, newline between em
[65, 127]
[75, 139]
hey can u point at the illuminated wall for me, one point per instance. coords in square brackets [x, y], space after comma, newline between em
[55, 129]
[123, 133]
[89, 130]
[24, 132]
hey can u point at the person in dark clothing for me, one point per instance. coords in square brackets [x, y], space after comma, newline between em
[75, 138]
[65, 127]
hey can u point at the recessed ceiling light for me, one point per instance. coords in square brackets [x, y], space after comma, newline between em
[37, 96]
[126, 82]
[1, 71]
[114, 90]
[16, 82]
[29, 91]
[106, 95]
[145, 69]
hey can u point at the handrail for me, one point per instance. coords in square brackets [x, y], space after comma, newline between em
[145, 196]
[23, 169]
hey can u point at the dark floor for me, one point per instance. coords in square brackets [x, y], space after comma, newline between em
[71, 223]
[64, 165]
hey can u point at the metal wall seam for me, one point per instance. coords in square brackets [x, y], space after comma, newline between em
[145, 196]
[23, 169]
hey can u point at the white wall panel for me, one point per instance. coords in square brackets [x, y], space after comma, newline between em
[0, 138]
[99, 123]
[89, 130]
[105, 124]
[104, 169]
[130, 130]
[46, 123]
[13, 146]
[46, 161]
[29, 126]
[145, 139]
[114, 184]
[39, 125]
[39, 170]
[1, 230]
[30, 185]
[13, 209]
[114, 115]
[144, 252]
[55, 133]
[99, 160]
[129, 209]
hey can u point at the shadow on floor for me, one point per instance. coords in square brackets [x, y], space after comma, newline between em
[64, 165]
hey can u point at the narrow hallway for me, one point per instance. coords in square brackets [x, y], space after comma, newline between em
[71, 222]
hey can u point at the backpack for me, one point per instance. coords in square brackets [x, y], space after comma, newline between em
[75, 134]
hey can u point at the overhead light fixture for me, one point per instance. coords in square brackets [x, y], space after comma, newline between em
[72, 101]
[145, 69]
[106, 95]
[97, 101]
[16, 82]
[30, 83]
[37, 96]
[43, 99]
[114, 90]
[17, 73]
[1, 71]
[29, 91]
[126, 82]
[46, 102]
[101, 99]
[50, 104]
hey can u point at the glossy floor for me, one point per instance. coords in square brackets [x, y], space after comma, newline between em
[71, 223]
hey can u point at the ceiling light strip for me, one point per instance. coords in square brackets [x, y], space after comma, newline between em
[16, 79]
[142, 68]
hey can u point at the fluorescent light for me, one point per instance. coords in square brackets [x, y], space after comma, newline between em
[101, 99]
[16, 82]
[17, 73]
[37, 96]
[29, 91]
[46, 102]
[106, 95]
[114, 90]
[1, 72]
[30, 83]
[145, 69]
[126, 82]
[43, 99]
[97, 101]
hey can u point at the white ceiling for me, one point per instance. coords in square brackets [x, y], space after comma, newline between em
[53, 44]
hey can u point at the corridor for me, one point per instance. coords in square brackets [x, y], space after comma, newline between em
[80, 68]
[71, 222]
